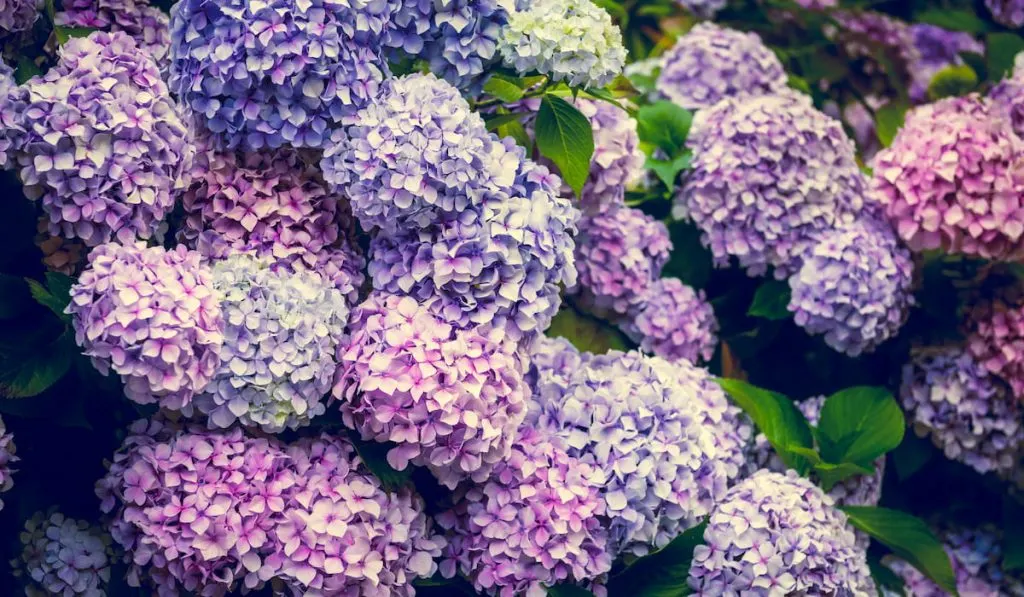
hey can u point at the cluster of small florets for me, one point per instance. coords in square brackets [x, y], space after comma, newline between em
[951, 179]
[976, 555]
[938, 48]
[568, 40]
[854, 287]
[637, 421]
[1008, 96]
[450, 399]
[769, 176]
[780, 534]
[536, 521]
[1009, 13]
[674, 321]
[553, 362]
[153, 317]
[970, 415]
[18, 15]
[147, 25]
[620, 252]
[995, 339]
[99, 140]
[7, 457]
[618, 162]
[711, 63]
[8, 114]
[63, 556]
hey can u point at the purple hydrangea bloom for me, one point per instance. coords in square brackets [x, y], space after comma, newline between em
[536, 521]
[639, 422]
[968, 414]
[153, 317]
[267, 74]
[674, 321]
[704, 9]
[618, 162]
[864, 36]
[778, 534]
[854, 287]
[995, 338]
[711, 63]
[7, 458]
[938, 48]
[99, 140]
[8, 114]
[63, 556]
[281, 332]
[553, 361]
[769, 174]
[951, 180]
[147, 25]
[450, 399]
[17, 16]
[1009, 13]
[620, 252]
[1008, 96]
[976, 555]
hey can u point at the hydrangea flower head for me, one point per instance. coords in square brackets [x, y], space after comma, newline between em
[876, 46]
[568, 40]
[1009, 13]
[450, 399]
[976, 555]
[620, 252]
[951, 180]
[17, 16]
[100, 141]
[769, 174]
[147, 25]
[7, 458]
[996, 339]
[938, 48]
[534, 522]
[780, 533]
[63, 556]
[968, 414]
[711, 63]
[153, 317]
[8, 115]
[674, 321]
[553, 361]
[1008, 97]
[618, 161]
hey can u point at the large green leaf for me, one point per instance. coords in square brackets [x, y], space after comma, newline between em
[909, 538]
[859, 424]
[1000, 51]
[668, 170]
[564, 136]
[888, 121]
[507, 89]
[778, 419]
[55, 295]
[662, 573]
[954, 80]
[771, 301]
[34, 369]
[664, 125]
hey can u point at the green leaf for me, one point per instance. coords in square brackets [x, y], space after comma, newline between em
[799, 83]
[884, 576]
[605, 96]
[66, 33]
[664, 125]
[829, 474]
[977, 63]
[1000, 51]
[568, 591]
[668, 170]
[771, 301]
[909, 538]
[504, 88]
[586, 333]
[911, 455]
[517, 131]
[495, 122]
[564, 136]
[26, 70]
[375, 456]
[1013, 535]
[33, 370]
[56, 295]
[955, 80]
[662, 573]
[778, 418]
[859, 424]
[888, 121]
[953, 20]
[14, 296]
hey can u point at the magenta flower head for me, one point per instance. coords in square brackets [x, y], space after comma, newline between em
[674, 321]
[639, 422]
[451, 399]
[153, 317]
[535, 521]
[17, 16]
[711, 63]
[976, 555]
[778, 533]
[98, 138]
[147, 25]
[951, 180]
[620, 252]
[63, 556]
[1009, 13]
[969, 415]
[995, 338]
[7, 458]
[341, 533]
[769, 174]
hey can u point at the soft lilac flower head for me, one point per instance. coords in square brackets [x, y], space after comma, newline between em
[63, 556]
[147, 25]
[99, 140]
[778, 534]
[976, 555]
[151, 316]
[267, 74]
[17, 16]
[618, 162]
[8, 115]
[1009, 13]
[415, 153]
[450, 399]
[704, 9]
[619, 253]
[638, 421]
[854, 287]
[1008, 96]
[553, 361]
[951, 179]
[536, 521]
[568, 40]
[675, 322]
[938, 48]
[711, 63]
[769, 174]
[340, 533]
[281, 332]
[995, 338]
[968, 414]
[7, 458]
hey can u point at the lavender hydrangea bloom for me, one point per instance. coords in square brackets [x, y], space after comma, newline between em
[775, 533]
[8, 115]
[147, 25]
[17, 16]
[536, 521]
[620, 252]
[633, 418]
[704, 9]
[63, 556]
[1008, 96]
[938, 48]
[711, 63]
[618, 162]
[674, 321]
[450, 399]
[568, 40]
[969, 415]
[995, 339]
[152, 317]
[1009, 13]
[951, 180]
[100, 141]
[769, 174]
[553, 361]
[976, 555]
[267, 74]
[7, 457]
